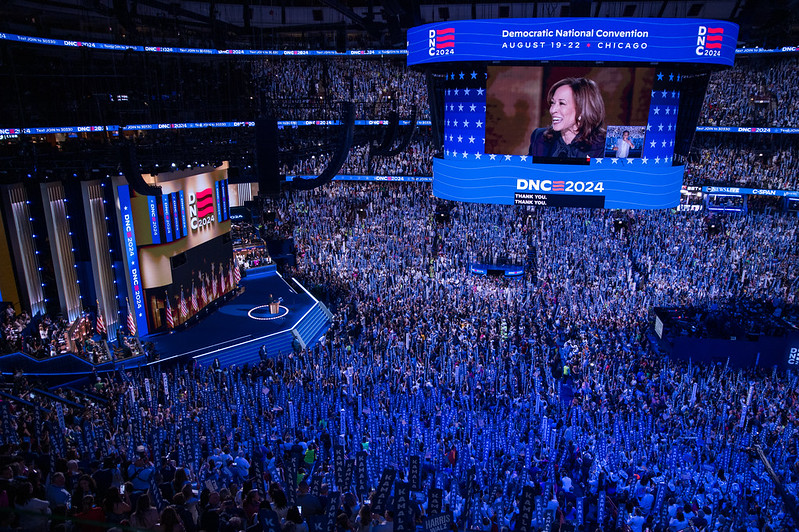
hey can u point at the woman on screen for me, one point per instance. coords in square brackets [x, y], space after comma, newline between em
[623, 145]
[578, 119]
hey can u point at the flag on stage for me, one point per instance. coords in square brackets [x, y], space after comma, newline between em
[101, 330]
[194, 305]
[214, 285]
[131, 319]
[204, 289]
[236, 273]
[170, 318]
[230, 280]
[222, 285]
[184, 308]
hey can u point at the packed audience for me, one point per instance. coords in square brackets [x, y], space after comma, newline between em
[551, 382]
[311, 83]
[757, 92]
[746, 161]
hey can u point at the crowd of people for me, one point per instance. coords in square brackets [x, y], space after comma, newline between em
[504, 403]
[757, 92]
[746, 161]
[310, 82]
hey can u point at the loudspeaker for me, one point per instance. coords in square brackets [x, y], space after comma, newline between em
[266, 158]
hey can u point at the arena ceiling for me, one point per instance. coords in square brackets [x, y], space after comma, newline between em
[770, 23]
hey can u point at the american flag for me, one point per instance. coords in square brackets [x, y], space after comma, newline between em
[184, 308]
[236, 272]
[231, 283]
[222, 285]
[194, 305]
[100, 320]
[170, 317]
[204, 281]
[214, 285]
[131, 319]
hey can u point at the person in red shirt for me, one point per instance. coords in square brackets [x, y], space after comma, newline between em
[91, 513]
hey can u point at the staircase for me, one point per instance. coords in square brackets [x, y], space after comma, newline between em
[247, 352]
[312, 326]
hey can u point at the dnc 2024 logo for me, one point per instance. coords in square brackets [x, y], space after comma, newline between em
[708, 41]
[201, 208]
[441, 42]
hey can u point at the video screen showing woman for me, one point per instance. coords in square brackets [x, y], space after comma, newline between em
[560, 114]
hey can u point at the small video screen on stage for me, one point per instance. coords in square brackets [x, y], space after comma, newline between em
[567, 114]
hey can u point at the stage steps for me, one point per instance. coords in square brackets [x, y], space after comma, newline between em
[314, 325]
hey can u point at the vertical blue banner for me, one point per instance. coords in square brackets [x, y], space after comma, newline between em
[155, 227]
[132, 259]
[223, 200]
[175, 215]
[183, 214]
[167, 220]
[219, 209]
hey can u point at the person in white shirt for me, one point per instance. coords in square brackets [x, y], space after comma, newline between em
[623, 145]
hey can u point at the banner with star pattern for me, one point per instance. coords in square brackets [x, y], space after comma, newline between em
[468, 173]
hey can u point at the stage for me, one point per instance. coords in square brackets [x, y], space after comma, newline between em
[232, 332]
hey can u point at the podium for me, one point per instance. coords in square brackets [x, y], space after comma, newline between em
[274, 307]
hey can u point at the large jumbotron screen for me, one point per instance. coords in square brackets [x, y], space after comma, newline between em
[567, 112]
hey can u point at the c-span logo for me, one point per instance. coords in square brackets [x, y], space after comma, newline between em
[708, 40]
[201, 208]
[441, 42]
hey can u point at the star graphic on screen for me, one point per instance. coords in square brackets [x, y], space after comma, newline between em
[447, 122]
[674, 94]
[669, 127]
[653, 143]
[479, 123]
[451, 107]
[478, 155]
[447, 93]
[480, 92]
[523, 158]
[457, 91]
[446, 152]
[660, 127]
[657, 110]
[460, 138]
[654, 94]
[672, 143]
[598, 160]
[671, 77]
[473, 108]
[664, 143]
[455, 123]
[615, 160]
[460, 107]
[465, 155]
[471, 139]
[466, 91]
[450, 138]
[660, 76]
[474, 74]
[465, 123]
[665, 93]
[657, 160]
[648, 127]
[460, 76]
[668, 110]
[644, 160]
[507, 157]
[629, 161]
[492, 156]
